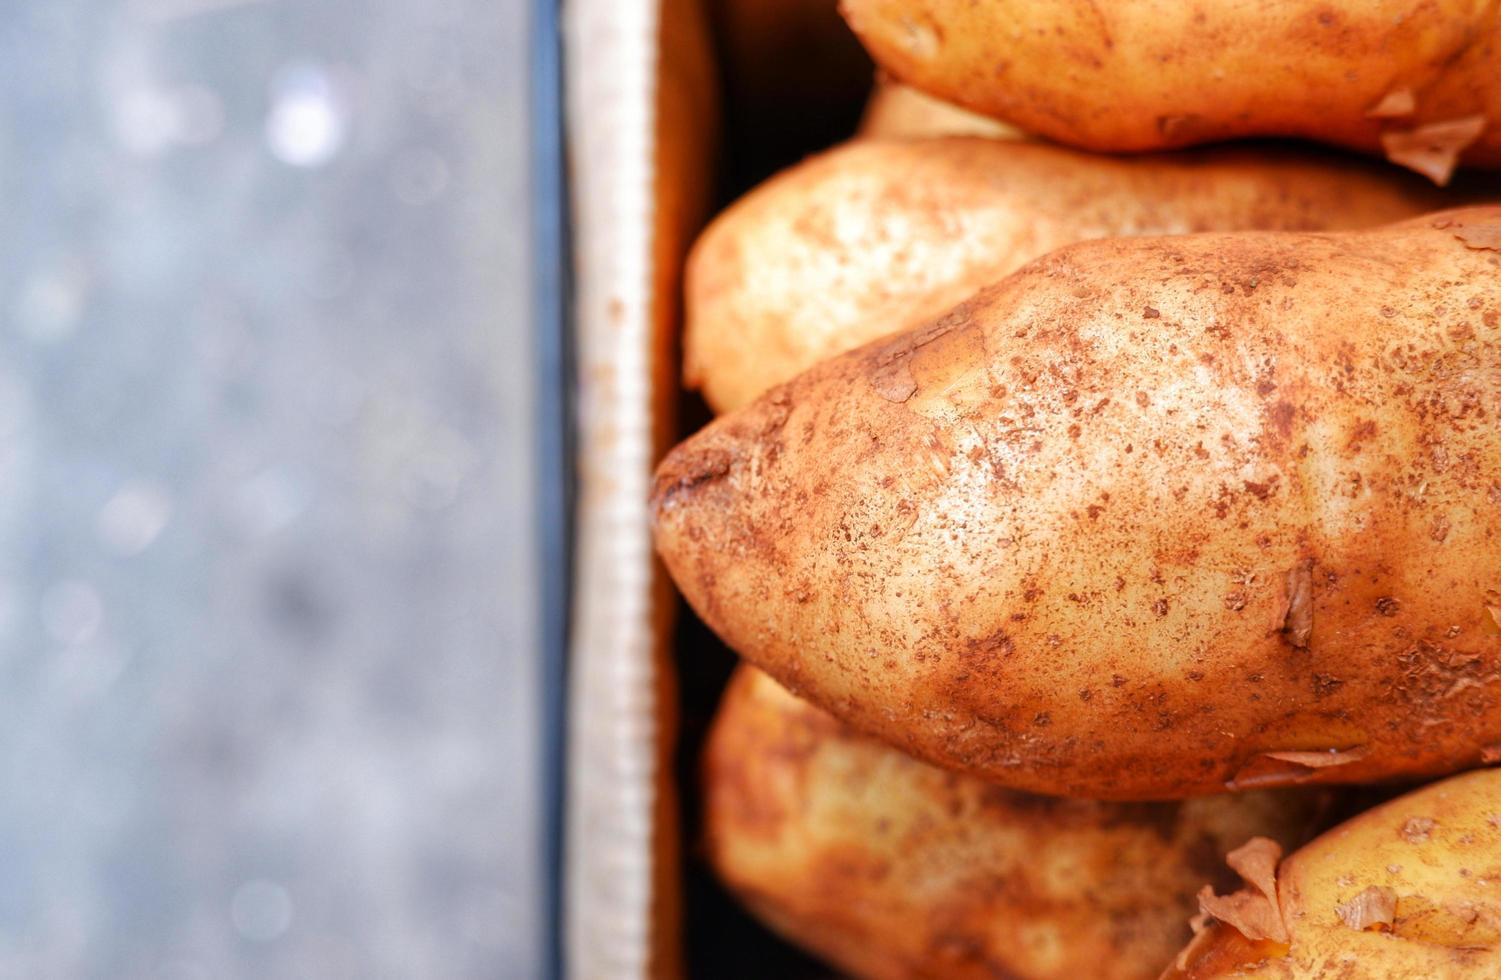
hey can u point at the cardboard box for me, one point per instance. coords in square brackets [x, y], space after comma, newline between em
[671, 108]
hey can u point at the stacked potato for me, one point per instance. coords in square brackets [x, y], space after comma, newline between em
[1122, 481]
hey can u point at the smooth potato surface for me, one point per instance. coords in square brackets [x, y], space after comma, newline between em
[890, 868]
[1149, 518]
[897, 111]
[877, 236]
[1418, 80]
[1407, 891]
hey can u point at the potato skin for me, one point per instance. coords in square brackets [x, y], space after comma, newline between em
[1137, 516]
[890, 868]
[897, 111]
[1134, 75]
[876, 236]
[1438, 850]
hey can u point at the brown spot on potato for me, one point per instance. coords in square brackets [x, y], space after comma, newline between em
[1260, 490]
[982, 653]
[1363, 431]
[1282, 415]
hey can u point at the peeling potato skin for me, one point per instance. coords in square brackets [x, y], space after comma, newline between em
[1447, 922]
[889, 868]
[876, 236]
[1135, 75]
[1047, 538]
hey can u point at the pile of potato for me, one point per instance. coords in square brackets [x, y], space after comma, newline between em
[1091, 525]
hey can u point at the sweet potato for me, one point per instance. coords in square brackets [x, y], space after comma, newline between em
[1149, 518]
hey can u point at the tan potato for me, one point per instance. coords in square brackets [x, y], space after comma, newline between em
[873, 237]
[1418, 81]
[889, 868]
[1408, 891]
[1149, 518]
[897, 111]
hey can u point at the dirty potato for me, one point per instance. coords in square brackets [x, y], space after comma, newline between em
[876, 236]
[1149, 518]
[897, 111]
[890, 868]
[1407, 891]
[1419, 82]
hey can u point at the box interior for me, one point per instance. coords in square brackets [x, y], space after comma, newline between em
[775, 114]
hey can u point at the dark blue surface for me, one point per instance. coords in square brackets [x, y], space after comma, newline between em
[553, 311]
[270, 424]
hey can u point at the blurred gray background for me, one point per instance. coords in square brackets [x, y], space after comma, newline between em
[268, 690]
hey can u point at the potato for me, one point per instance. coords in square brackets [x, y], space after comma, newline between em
[1407, 891]
[873, 237]
[1420, 82]
[1149, 518]
[890, 868]
[897, 111]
